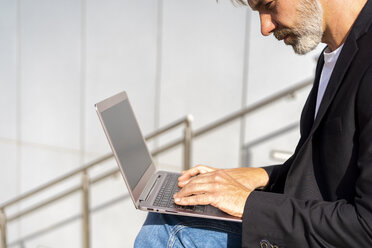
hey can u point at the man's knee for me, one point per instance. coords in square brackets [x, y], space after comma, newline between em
[155, 231]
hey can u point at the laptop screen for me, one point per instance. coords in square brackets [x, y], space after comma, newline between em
[127, 140]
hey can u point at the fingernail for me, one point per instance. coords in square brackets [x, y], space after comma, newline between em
[177, 199]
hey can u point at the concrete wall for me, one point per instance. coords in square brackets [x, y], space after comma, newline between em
[59, 57]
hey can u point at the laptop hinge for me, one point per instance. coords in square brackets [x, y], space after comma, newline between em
[150, 188]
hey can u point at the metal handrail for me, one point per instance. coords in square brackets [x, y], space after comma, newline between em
[91, 164]
[62, 195]
[263, 103]
[86, 182]
[56, 181]
[239, 114]
[188, 136]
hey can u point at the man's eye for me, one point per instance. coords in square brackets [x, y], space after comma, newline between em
[269, 5]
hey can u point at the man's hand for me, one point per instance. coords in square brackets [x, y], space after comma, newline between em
[250, 177]
[226, 189]
[216, 188]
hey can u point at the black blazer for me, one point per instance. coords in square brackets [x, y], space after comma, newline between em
[322, 196]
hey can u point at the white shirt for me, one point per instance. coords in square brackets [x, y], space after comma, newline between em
[330, 59]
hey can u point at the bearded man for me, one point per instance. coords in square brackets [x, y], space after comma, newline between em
[322, 195]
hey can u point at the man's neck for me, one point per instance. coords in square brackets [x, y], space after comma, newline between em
[339, 17]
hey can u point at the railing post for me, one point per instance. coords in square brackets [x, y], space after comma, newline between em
[2, 229]
[187, 143]
[85, 210]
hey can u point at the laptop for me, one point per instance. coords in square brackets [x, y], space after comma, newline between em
[150, 190]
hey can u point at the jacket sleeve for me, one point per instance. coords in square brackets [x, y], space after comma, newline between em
[270, 169]
[275, 172]
[289, 222]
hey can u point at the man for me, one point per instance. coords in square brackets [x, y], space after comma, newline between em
[321, 196]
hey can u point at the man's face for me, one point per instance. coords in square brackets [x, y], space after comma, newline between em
[297, 22]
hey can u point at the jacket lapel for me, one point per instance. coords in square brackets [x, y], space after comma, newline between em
[307, 118]
[343, 63]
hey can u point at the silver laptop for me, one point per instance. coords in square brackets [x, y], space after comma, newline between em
[149, 189]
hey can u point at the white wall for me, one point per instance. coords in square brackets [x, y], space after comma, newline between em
[59, 57]
[202, 61]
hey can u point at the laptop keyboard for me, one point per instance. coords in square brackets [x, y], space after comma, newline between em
[166, 192]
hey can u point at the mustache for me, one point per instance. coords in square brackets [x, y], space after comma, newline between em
[281, 33]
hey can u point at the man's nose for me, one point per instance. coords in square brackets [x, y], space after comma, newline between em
[267, 24]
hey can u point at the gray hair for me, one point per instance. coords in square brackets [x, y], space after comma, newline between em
[240, 2]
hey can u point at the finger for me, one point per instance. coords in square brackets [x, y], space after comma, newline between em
[208, 177]
[197, 188]
[199, 169]
[195, 179]
[202, 199]
[201, 178]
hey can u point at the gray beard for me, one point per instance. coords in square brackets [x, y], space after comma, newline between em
[307, 33]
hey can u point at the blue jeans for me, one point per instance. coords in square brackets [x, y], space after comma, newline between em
[163, 230]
